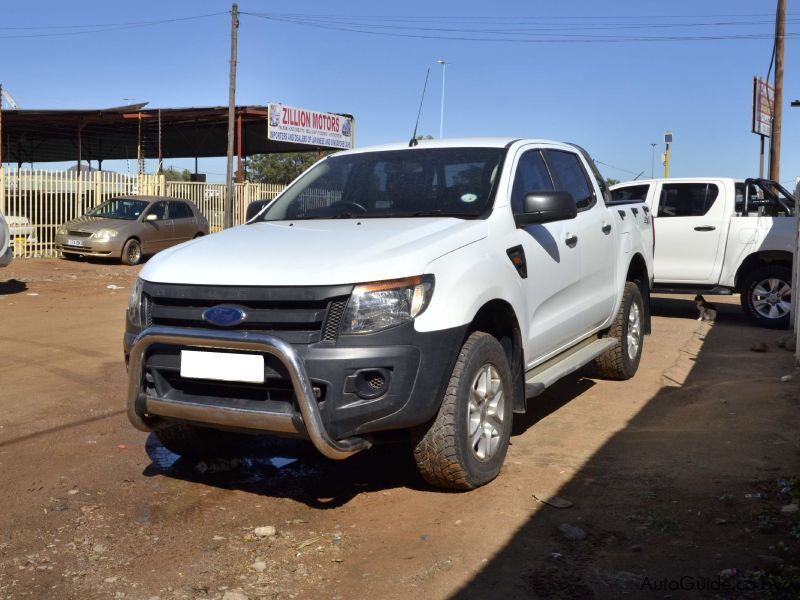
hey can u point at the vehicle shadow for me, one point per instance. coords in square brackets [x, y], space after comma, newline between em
[683, 307]
[12, 286]
[688, 491]
[290, 468]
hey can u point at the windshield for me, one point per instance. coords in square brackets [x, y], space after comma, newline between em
[119, 208]
[454, 182]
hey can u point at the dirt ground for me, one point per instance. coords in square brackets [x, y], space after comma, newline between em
[674, 478]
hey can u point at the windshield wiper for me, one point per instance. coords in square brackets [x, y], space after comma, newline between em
[438, 212]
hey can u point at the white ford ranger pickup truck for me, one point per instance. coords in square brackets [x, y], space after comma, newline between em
[428, 289]
[719, 235]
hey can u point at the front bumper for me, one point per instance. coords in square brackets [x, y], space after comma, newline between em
[89, 246]
[321, 400]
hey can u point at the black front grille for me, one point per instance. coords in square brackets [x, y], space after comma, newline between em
[83, 234]
[298, 315]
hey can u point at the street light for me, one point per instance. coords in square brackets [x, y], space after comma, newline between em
[653, 161]
[441, 115]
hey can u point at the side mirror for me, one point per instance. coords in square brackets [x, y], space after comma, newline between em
[151, 217]
[255, 207]
[545, 207]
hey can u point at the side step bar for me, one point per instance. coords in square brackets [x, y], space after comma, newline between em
[540, 378]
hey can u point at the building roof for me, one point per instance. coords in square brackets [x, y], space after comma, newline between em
[114, 133]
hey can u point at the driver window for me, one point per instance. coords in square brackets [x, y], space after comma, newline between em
[159, 209]
[531, 175]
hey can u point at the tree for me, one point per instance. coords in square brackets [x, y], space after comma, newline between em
[611, 181]
[173, 174]
[281, 168]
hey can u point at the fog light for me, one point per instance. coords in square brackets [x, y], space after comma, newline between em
[372, 383]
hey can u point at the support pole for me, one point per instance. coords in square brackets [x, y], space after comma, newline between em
[666, 163]
[761, 159]
[228, 212]
[777, 113]
[239, 174]
[160, 161]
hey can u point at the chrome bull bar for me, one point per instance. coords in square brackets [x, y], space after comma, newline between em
[308, 422]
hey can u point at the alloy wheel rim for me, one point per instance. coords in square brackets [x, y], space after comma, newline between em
[133, 253]
[634, 330]
[485, 414]
[772, 298]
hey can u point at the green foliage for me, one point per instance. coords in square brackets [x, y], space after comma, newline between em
[280, 168]
[173, 174]
[611, 181]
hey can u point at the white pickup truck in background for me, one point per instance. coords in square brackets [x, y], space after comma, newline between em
[6, 251]
[426, 288]
[718, 235]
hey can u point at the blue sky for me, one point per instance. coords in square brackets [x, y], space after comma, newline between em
[615, 99]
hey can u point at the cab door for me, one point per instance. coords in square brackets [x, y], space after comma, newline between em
[594, 234]
[689, 227]
[156, 233]
[553, 261]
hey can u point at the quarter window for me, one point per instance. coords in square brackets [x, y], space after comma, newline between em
[570, 176]
[531, 176]
[687, 199]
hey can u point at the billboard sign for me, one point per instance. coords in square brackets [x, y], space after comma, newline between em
[303, 126]
[763, 102]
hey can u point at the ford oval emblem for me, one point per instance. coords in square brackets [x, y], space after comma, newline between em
[224, 315]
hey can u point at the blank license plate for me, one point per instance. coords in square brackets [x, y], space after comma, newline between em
[74, 243]
[222, 366]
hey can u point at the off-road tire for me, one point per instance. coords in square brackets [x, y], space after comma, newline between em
[749, 283]
[442, 450]
[616, 362]
[130, 255]
[198, 442]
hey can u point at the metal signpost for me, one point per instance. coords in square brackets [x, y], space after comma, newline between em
[763, 103]
[667, 142]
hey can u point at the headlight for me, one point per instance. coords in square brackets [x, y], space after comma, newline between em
[135, 304]
[62, 231]
[382, 304]
[105, 234]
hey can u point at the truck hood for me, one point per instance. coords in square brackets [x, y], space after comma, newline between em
[316, 252]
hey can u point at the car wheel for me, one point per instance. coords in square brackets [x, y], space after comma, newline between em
[465, 445]
[131, 252]
[197, 235]
[622, 360]
[766, 296]
[198, 442]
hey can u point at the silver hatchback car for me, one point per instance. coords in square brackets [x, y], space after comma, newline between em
[130, 227]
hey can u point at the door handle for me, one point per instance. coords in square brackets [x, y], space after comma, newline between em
[607, 229]
[572, 241]
[705, 228]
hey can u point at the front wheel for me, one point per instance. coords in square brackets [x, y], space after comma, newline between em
[131, 252]
[465, 445]
[622, 360]
[767, 296]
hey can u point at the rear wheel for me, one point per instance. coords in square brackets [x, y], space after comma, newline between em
[131, 252]
[622, 360]
[197, 442]
[767, 296]
[465, 445]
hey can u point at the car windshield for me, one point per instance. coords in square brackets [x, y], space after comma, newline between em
[119, 208]
[447, 182]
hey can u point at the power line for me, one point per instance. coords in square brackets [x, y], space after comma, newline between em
[523, 37]
[85, 29]
[616, 168]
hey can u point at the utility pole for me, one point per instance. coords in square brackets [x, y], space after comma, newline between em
[228, 212]
[775, 140]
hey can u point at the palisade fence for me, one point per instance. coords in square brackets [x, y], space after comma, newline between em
[37, 202]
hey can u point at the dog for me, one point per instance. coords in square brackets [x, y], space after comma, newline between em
[708, 312]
